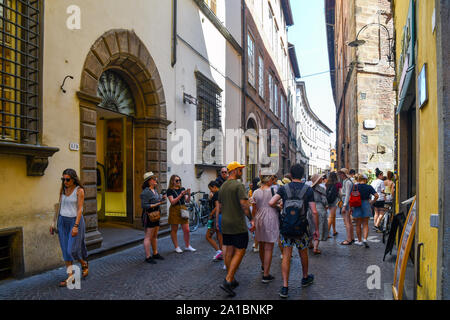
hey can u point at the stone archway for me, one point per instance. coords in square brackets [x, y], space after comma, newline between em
[122, 51]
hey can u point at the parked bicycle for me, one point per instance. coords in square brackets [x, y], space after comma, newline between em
[386, 222]
[198, 211]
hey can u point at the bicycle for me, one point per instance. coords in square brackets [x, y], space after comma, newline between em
[197, 213]
[386, 222]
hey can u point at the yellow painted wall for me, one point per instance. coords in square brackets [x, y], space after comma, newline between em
[28, 202]
[428, 152]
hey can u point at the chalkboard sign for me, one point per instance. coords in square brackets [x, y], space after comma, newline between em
[403, 252]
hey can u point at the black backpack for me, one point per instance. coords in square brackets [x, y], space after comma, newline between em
[332, 194]
[293, 222]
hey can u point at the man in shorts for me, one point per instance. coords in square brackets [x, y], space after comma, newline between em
[234, 206]
[302, 242]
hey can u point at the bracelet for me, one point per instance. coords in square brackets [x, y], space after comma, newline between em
[75, 225]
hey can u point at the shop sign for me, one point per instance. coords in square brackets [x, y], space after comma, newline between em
[407, 56]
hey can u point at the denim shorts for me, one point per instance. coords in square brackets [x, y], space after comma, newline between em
[365, 211]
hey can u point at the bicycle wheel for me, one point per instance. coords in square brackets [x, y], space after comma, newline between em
[193, 219]
[204, 216]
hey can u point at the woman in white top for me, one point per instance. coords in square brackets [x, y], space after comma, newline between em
[379, 187]
[71, 226]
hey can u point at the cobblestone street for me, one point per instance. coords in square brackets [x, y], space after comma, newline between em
[340, 273]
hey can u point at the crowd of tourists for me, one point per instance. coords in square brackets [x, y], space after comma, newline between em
[291, 212]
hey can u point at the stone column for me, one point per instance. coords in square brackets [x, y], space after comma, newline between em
[88, 175]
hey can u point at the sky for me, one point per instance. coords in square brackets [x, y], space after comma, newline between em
[308, 34]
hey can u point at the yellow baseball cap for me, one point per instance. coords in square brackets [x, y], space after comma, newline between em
[234, 165]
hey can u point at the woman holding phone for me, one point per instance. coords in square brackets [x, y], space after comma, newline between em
[178, 196]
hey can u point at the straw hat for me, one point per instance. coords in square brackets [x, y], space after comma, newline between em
[315, 179]
[148, 175]
[344, 171]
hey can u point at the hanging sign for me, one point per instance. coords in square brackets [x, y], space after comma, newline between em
[403, 252]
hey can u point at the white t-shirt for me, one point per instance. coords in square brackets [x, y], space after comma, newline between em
[379, 187]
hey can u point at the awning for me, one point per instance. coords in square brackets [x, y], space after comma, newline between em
[403, 98]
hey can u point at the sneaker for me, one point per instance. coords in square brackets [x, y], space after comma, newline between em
[358, 243]
[158, 256]
[366, 244]
[267, 279]
[150, 260]
[190, 249]
[224, 267]
[227, 287]
[234, 284]
[307, 281]
[218, 256]
[281, 256]
[178, 250]
[284, 292]
[255, 249]
[262, 269]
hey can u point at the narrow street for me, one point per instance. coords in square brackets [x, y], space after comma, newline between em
[340, 274]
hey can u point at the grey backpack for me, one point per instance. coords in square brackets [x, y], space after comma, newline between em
[293, 222]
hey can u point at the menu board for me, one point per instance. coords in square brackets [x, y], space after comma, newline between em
[403, 252]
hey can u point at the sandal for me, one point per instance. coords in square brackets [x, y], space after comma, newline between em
[335, 234]
[85, 270]
[317, 251]
[346, 243]
[64, 283]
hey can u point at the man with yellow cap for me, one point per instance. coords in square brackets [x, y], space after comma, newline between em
[234, 206]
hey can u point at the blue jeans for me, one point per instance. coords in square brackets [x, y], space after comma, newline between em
[71, 247]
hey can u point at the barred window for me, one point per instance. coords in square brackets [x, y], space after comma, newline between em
[271, 93]
[19, 67]
[209, 105]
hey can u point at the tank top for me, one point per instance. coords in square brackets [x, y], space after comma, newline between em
[69, 204]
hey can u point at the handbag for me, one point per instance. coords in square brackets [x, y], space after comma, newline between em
[184, 213]
[154, 216]
[54, 226]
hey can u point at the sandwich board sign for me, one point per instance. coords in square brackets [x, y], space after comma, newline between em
[403, 252]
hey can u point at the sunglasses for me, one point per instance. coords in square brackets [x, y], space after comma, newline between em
[224, 172]
[65, 179]
[178, 180]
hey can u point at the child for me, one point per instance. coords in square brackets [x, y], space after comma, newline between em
[214, 221]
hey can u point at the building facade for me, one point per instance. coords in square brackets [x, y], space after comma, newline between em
[422, 128]
[90, 85]
[314, 135]
[267, 65]
[362, 74]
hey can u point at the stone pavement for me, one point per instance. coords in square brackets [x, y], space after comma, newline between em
[340, 273]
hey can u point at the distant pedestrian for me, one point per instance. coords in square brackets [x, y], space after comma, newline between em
[151, 201]
[222, 177]
[389, 187]
[71, 225]
[352, 174]
[266, 224]
[320, 198]
[379, 187]
[332, 191]
[347, 186]
[234, 206]
[297, 197]
[178, 198]
[363, 213]
[213, 222]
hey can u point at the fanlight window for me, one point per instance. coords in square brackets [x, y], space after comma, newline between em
[115, 93]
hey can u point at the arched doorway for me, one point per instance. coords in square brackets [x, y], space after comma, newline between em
[121, 100]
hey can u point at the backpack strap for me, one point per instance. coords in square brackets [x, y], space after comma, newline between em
[288, 191]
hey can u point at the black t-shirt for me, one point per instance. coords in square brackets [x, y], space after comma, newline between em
[175, 193]
[365, 191]
[220, 181]
[213, 200]
[294, 186]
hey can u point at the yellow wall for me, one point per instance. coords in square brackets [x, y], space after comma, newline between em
[428, 152]
[28, 202]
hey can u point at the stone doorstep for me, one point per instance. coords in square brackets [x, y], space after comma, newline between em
[120, 246]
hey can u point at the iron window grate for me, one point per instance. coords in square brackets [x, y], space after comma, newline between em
[209, 97]
[20, 36]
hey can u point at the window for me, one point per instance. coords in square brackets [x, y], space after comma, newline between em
[209, 97]
[271, 27]
[19, 68]
[212, 4]
[251, 60]
[275, 98]
[261, 77]
[283, 110]
[271, 93]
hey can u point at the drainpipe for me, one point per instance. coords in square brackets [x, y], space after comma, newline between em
[174, 32]
[244, 79]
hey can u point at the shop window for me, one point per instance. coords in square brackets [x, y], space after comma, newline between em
[209, 97]
[19, 68]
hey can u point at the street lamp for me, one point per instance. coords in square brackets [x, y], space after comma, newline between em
[358, 42]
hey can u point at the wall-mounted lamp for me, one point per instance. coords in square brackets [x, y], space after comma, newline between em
[64, 81]
[359, 42]
[189, 99]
